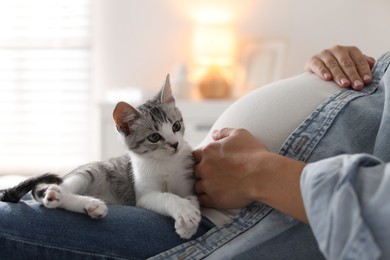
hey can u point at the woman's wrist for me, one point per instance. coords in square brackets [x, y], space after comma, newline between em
[276, 182]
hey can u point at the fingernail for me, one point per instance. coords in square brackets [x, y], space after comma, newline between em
[357, 84]
[344, 82]
[366, 78]
[327, 75]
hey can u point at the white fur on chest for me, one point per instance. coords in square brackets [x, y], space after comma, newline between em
[170, 174]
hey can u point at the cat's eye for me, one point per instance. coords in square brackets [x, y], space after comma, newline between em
[176, 126]
[154, 138]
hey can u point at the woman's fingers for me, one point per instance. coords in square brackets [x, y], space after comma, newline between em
[346, 65]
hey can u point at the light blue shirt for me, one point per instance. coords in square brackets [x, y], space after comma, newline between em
[347, 202]
[347, 197]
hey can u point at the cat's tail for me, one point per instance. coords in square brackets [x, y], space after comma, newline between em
[15, 193]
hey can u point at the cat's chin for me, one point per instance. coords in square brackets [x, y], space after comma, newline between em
[166, 155]
[171, 153]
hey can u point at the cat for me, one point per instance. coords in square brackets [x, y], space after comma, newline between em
[155, 174]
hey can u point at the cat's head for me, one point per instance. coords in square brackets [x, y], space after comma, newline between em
[154, 128]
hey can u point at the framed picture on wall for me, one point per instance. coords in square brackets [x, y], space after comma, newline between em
[261, 62]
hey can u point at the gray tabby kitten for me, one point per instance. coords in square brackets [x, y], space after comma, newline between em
[159, 165]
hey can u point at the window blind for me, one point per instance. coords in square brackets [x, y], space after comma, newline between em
[45, 90]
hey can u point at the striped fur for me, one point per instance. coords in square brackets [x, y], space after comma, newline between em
[14, 194]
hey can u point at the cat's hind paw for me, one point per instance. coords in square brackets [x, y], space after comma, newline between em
[96, 208]
[187, 222]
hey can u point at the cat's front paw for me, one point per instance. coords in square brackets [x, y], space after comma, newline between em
[52, 196]
[187, 221]
[96, 208]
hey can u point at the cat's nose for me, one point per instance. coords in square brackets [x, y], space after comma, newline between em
[175, 145]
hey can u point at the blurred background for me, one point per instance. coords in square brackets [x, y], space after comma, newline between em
[64, 63]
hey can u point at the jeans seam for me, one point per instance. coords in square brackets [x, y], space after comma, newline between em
[196, 250]
[300, 144]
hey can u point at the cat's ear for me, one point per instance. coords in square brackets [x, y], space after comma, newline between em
[165, 93]
[124, 115]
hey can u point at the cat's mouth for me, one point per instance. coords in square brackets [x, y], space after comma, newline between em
[174, 151]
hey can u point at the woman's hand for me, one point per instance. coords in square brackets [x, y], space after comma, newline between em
[237, 170]
[223, 166]
[345, 65]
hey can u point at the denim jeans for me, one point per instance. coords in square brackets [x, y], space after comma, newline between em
[30, 231]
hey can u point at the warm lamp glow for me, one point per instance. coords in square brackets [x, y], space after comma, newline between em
[214, 45]
[214, 11]
[213, 14]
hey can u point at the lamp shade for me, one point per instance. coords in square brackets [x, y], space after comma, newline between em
[214, 45]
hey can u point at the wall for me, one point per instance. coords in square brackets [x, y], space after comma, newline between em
[137, 42]
[310, 26]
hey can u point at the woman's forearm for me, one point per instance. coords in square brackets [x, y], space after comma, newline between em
[277, 184]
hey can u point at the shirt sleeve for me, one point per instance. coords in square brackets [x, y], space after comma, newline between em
[347, 201]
